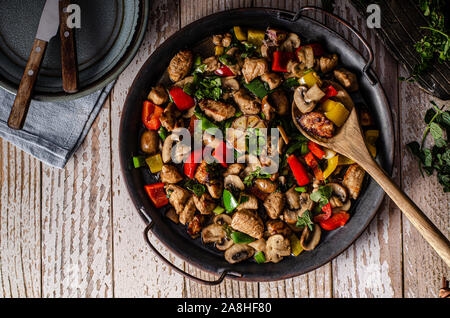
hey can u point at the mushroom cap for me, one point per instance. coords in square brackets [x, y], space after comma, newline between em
[299, 100]
[238, 253]
[340, 191]
[309, 240]
[222, 219]
[234, 182]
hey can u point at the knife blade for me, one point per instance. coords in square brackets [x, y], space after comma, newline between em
[47, 29]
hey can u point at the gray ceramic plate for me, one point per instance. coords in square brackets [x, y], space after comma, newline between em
[110, 34]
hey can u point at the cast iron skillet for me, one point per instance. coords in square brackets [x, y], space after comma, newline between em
[174, 236]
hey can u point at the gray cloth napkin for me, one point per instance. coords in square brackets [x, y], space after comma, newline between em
[52, 130]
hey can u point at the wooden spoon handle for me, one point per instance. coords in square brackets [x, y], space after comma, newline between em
[23, 97]
[422, 223]
[68, 52]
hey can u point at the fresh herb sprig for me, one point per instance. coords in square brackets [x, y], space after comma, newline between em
[438, 156]
[305, 220]
[257, 174]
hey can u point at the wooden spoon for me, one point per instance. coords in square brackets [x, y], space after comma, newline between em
[349, 142]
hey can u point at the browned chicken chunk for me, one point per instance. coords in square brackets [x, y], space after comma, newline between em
[274, 204]
[293, 199]
[249, 223]
[180, 65]
[251, 202]
[277, 227]
[196, 225]
[170, 174]
[254, 67]
[328, 63]
[353, 180]
[158, 95]
[170, 118]
[215, 188]
[247, 104]
[272, 79]
[219, 111]
[234, 169]
[317, 124]
[212, 64]
[205, 204]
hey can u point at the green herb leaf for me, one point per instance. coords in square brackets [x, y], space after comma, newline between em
[305, 220]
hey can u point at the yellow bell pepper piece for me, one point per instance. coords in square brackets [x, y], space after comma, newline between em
[296, 247]
[338, 114]
[310, 79]
[154, 163]
[332, 165]
[344, 161]
[372, 150]
[239, 33]
[218, 50]
[255, 37]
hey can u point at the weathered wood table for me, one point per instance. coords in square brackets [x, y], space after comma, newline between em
[75, 232]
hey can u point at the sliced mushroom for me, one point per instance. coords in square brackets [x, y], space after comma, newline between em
[339, 191]
[290, 216]
[233, 182]
[346, 206]
[234, 169]
[238, 253]
[309, 240]
[347, 79]
[300, 102]
[306, 57]
[291, 43]
[231, 83]
[259, 245]
[305, 202]
[181, 152]
[265, 185]
[276, 247]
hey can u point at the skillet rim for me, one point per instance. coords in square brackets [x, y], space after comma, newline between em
[124, 161]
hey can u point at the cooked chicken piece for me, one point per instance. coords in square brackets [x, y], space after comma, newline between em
[172, 215]
[247, 104]
[275, 36]
[218, 111]
[217, 39]
[205, 204]
[234, 169]
[212, 64]
[215, 188]
[180, 65]
[328, 63]
[291, 43]
[272, 79]
[293, 199]
[188, 211]
[170, 174]
[277, 227]
[290, 216]
[249, 223]
[250, 204]
[347, 79]
[231, 83]
[170, 118]
[232, 51]
[267, 51]
[158, 95]
[306, 57]
[294, 68]
[353, 180]
[254, 67]
[226, 41]
[235, 68]
[280, 102]
[274, 204]
[195, 225]
[267, 109]
[177, 197]
[317, 124]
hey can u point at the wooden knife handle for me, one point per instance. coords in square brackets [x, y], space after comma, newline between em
[23, 97]
[68, 52]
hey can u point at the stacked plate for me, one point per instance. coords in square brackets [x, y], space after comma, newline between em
[109, 36]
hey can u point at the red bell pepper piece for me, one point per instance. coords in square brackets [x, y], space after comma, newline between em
[317, 49]
[298, 170]
[326, 209]
[337, 220]
[182, 100]
[224, 71]
[330, 91]
[280, 60]
[150, 115]
[192, 162]
[157, 194]
[314, 165]
[316, 149]
[221, 153]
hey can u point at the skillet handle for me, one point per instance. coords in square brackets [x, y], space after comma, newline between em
[366, 69]
[182, 272]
